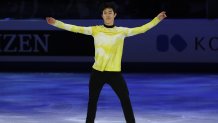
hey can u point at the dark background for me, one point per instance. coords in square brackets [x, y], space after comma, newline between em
[89, 9]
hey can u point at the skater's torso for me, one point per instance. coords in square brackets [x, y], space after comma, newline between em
[108, 42]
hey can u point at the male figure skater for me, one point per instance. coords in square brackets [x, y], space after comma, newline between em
[108, 41]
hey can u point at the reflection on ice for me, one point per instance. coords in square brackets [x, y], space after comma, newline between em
[141, 117]
[62, 98]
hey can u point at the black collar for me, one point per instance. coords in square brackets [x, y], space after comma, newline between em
[108, 26]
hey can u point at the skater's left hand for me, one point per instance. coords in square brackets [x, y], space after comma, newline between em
[161, 15]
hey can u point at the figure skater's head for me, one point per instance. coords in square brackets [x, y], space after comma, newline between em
[109, 12]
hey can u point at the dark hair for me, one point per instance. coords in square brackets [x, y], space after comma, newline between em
[111, 5]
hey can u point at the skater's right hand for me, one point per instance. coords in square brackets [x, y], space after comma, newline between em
[50, 20]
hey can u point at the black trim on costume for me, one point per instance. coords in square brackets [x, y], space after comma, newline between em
[112, 26]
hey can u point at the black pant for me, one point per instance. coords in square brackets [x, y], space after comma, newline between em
[118, 84]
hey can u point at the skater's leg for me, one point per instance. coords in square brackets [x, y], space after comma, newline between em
[95, 86]
[118, 84]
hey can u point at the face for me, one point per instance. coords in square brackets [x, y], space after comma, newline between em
[108, 16]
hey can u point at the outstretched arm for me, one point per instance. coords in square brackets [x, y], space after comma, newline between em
[69, 27]
[147, 26]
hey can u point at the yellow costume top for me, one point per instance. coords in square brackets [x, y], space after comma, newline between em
[108, 42]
